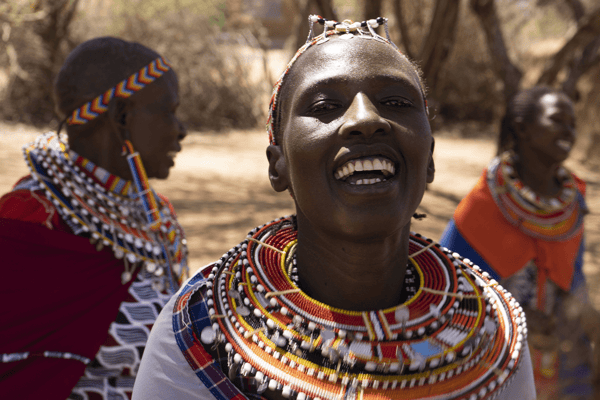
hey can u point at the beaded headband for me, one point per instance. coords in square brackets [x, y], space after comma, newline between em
[123, 89]
[330, 27]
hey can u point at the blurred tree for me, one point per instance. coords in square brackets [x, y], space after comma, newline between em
[577, 56]
[215, 51]
[509, 74]
[439, 41]
[588, 33]
[303, 9]
[327, 10]
[372, 9]
[35, 35]
[439, 38]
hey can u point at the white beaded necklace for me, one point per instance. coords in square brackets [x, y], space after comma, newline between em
[107, 217]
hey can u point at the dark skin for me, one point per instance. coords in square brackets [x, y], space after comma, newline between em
[147, 119]
[545, 144]
[353, 99]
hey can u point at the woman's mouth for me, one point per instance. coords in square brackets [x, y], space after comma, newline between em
[564, 144]
[366, 170]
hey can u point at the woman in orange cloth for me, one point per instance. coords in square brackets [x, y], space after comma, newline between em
[342, 301]
[523, 224]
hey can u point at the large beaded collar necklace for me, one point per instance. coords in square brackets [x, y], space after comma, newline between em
[557, 218]
[458, 334]
[111, 217]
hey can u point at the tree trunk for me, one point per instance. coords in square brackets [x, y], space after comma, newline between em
[326, 7]
[403, 27]
[579, 66]
[372, 9]
[588, 32]
[577, 8]
[301, 22]
[502, 65]
[440, 39]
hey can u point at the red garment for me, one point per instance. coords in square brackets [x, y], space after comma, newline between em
[58, 294]
[481, 223]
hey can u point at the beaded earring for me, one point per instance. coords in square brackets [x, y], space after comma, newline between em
[140, 179]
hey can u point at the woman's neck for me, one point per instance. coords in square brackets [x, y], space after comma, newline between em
[100, 148]
[538, 174]
[355, 276]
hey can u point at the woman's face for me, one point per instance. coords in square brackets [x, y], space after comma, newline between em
[156, 132]
[552, 133]
[355, 139]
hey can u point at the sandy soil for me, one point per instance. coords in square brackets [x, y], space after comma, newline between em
[220, 190]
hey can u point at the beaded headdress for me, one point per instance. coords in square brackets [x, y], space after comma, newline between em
[123, 89]
[330, 27]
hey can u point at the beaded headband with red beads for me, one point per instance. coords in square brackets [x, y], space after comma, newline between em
[331, 27]
[123, 89]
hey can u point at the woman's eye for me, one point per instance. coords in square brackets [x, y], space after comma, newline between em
[323, 106]
[397, 103]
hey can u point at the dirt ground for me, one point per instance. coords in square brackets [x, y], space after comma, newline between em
[220, 190]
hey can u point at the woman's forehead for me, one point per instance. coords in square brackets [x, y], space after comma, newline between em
[552, 100]
[351, 59]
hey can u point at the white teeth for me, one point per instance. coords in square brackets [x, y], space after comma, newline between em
[381, 164]
[367, 181]
[564, 144]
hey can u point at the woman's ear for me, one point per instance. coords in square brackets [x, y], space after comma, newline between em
[431, 166]
[277, 168]
[119, 115]
[520, 128]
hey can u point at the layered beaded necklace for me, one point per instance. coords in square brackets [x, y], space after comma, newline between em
[114, 217]
[458, 334]
[557, 218]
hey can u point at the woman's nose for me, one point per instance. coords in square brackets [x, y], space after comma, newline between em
[363, 118]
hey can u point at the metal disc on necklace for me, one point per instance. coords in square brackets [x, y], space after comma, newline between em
[150, 267]
[262, 300]
[125, 277]
[240, 309]
[177, 268]
[119, 252]
[402, 315]
[208, 335]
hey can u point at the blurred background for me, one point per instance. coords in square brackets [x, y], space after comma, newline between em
[473, 53]
[228, 53]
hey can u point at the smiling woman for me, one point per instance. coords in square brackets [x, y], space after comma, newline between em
[341, 300]
[536, 206]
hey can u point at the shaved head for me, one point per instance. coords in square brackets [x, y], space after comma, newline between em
[94, 67]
